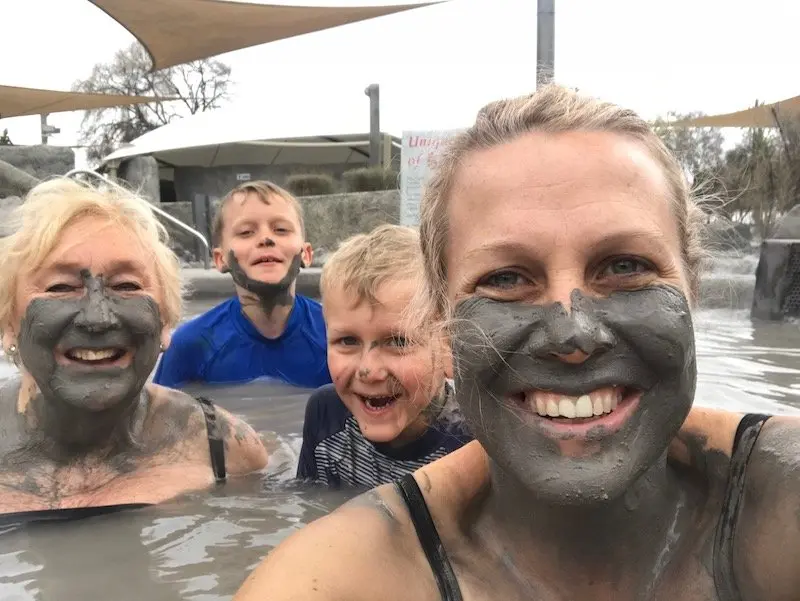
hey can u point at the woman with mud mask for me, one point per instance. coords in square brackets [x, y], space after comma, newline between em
[561, 246]
[88, 293]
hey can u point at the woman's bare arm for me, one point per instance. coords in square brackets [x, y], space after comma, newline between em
[767, 536]
[359, 552]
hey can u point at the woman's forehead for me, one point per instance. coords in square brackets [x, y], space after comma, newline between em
[549, 188]
[99, 245]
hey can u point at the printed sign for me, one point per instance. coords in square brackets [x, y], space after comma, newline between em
[242, 177]
[417, 157]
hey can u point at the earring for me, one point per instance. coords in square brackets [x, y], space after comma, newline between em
[162, 347]
[12, 349]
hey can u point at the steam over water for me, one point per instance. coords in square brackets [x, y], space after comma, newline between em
[201, 547]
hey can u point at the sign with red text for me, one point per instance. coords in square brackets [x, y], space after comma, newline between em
[417, 158]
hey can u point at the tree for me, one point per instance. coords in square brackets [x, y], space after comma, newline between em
[762, 176]
[5, 140]
[196, 86]
[699, 149]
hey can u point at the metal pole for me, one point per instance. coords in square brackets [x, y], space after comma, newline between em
[545, 41]
[47, 130]
[373, 91]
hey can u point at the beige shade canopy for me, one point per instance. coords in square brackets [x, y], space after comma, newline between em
[757, 116]
[179, 31]
[20, 102]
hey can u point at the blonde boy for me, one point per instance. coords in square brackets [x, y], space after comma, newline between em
[389, 410]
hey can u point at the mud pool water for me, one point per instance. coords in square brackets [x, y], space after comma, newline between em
[202, 546]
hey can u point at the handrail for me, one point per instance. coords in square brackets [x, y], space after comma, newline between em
[163, 213]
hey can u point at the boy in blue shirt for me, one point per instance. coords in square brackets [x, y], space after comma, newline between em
[390, 409]
[266, 330]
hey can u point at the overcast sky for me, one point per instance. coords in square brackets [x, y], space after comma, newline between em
[651, 55]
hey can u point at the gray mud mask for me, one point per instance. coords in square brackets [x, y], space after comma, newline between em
[270, 295]
[99, 319]
[642, 340]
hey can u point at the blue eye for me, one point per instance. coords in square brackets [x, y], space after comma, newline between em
[503, 280]
[626, 266]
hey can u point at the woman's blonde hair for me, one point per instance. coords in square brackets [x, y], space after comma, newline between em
[551, 109]
[52, 206]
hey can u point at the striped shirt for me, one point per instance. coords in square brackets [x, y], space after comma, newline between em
[336, 453]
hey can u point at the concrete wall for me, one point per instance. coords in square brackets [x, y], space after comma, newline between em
[789, 226]
[329, 219]
[142, 176]
[777, 289]
[218, 181]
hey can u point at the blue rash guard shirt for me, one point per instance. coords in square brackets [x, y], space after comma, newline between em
[222, 346]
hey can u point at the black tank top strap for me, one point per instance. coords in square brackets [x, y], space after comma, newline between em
[743, 444]
[429, 538]
[216, 442]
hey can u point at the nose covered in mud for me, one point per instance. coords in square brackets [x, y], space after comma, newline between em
[576, 431]
[94, 351]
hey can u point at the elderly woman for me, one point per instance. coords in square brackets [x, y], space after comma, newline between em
[88, 294]
[562, 248]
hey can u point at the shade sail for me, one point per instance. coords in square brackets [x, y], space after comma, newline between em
[20, 102]
[757, 116]
[180, 31]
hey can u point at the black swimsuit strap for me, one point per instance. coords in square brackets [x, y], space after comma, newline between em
[743, 444]
[429, 538]
[66, 514]
[216, 443]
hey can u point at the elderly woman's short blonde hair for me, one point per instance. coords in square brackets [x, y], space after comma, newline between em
[52, 206]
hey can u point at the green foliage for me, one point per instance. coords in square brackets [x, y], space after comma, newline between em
[310, 184]
[757, 181]
[370, 179]
[698, 149]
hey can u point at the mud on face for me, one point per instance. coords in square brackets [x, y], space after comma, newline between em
[94, 351]
[616, 411]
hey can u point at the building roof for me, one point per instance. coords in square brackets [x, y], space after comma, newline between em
[278, 130]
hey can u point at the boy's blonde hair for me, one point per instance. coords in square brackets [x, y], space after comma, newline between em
[263, 190]
[364, 262]
[52, 206]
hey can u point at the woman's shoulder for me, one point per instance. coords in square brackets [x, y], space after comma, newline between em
[358, 552]
[373, 533]
[768, 529]
[176, 414]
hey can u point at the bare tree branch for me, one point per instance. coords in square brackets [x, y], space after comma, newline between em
[198, 86]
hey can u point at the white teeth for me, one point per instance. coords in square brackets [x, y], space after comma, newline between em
[91, 355]
[583, 406]
[567, 408]
[598, 402]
